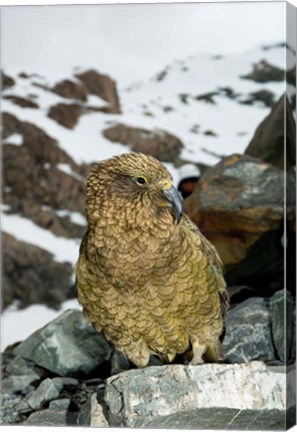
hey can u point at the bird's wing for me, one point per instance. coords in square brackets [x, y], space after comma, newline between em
[215, 262]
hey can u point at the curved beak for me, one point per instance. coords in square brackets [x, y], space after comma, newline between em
[173, 197]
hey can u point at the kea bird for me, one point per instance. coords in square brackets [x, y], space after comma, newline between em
[146, 276]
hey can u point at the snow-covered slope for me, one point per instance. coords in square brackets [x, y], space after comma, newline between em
[203, 100]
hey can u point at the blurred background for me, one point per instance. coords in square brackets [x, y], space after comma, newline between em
[205, 88]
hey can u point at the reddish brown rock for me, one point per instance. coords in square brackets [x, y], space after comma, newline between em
[31, 172]
[71, 90]
[22, 102]
[269, 139]
[102, 86]
[30, 275]
[160, 144]
[6, 81]
[239, 206]
[66, 115]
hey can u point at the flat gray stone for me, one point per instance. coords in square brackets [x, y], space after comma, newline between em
[67, 346]
[44, 393]
[51, 417]
[15, 383]
[205, 396]
[248, 332]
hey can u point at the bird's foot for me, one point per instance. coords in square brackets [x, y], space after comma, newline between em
[198, 349]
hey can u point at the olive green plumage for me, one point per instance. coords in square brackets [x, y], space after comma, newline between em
[146, 276]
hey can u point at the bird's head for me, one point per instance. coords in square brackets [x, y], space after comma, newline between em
[135, 182]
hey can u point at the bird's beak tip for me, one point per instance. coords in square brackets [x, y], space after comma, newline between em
[173, 197]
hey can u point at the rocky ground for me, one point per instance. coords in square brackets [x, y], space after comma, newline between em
[64, 374]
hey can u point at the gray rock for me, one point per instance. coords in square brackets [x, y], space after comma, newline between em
[227, 419]
[62, 383]
[19, 366]
[44, 393]
[15, 383]
[51, 417]
[97, 417]
[245, 396]
[67, 346]
[60, 403]
[248, 332]
[282, 320]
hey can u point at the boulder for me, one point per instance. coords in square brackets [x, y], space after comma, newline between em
[239, 206]
[58, 414]
[209, 396]
[103, 86]
[71, 90]
[160, 144]
[248, 332]
[44, 393]
[67, 346]
[30, 275]
[66, 115]
[277, 128]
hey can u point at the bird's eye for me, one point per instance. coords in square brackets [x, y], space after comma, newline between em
[141, 180]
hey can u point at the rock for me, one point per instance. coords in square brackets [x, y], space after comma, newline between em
[67, 346]
[238, 205]
[22, 102]
[20, 366]
[66, 115]
[206, 396]
[38, 184]
[97, 417]
[15, 383]
[62, 383]
[268, 141]
[6, 81]
[207, 97]
[103, 86]
[282, 320]
[44, 393]
[31, 276]
[248, 332]
[264, 96]
[71, 90]
[160, 144]
[264, 72]
[53, 416]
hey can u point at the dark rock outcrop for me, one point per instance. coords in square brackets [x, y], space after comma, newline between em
[39, 181]
[71, 90]
[103, 86]
[264, 72]
[160, 144]
[6, 81]
[238, 205]
[266, 97]
[269, 139]
[22, 102]
[66, 115]
[30, 275]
